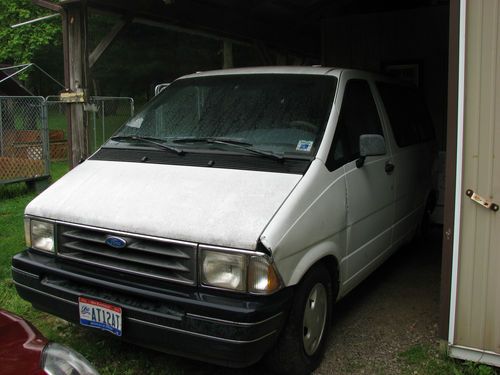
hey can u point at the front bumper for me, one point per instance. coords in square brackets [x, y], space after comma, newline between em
[223, 328]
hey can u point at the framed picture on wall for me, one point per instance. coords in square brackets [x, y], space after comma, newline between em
[410, 71]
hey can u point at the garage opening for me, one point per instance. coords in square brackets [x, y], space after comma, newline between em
[397, 309]
[395, 313]
[153, 43]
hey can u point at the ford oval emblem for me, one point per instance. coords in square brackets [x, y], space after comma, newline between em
[116, 242]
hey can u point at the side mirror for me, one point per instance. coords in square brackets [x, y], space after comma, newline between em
[370, 145]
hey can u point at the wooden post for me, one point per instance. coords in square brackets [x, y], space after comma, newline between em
[76, 68]
[228, 55]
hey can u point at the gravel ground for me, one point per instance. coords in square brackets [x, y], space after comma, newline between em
[395, 309]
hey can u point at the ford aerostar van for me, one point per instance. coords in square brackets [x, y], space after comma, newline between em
[223, 221]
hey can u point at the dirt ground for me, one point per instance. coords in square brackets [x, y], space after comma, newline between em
[393, 310]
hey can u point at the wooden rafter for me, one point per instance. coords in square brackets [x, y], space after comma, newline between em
[106, 41]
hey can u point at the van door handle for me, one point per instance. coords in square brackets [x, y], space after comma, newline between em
[389, 167]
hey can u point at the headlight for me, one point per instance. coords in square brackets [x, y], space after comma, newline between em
[42, 235]
[243, 272]
[61, 360]
[224, 270]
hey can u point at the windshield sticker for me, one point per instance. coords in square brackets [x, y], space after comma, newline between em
[305, 146]
[136, 122]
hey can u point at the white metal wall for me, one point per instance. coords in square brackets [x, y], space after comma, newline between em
[475, 310]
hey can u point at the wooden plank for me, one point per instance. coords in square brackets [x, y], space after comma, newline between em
[284, 32]
[106, 41]
[48, 5]
[228, 55]
[76, 68]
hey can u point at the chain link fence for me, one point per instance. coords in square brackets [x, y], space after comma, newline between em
[33, 131]
[57, 124]
[106, 114]
[24, 139]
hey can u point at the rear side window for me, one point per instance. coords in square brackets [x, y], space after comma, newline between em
[410, 121]
[358, 115]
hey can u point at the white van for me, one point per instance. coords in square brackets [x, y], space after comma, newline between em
[223, 221]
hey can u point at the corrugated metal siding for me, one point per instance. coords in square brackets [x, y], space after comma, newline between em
[478, 299]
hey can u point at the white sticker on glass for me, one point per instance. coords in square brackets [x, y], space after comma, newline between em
[135, 123]
[305, 146]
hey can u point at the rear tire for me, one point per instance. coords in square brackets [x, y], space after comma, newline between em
[302, 343]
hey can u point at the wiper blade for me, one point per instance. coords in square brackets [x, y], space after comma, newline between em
[154, 141]
[233, 143]
[210, 140]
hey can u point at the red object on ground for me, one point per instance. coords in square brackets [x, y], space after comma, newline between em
[21, 346]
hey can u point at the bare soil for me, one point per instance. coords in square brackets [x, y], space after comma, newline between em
[392, 311]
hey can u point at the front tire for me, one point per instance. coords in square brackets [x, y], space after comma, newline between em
[302, 343]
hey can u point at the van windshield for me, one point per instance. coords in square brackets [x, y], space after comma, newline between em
[274, 113]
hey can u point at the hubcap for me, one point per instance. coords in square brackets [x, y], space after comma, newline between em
[314, 318]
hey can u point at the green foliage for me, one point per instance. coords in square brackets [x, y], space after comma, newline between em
[427, 360]
[21, 45]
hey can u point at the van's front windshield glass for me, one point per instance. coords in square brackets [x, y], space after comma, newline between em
[274, 113]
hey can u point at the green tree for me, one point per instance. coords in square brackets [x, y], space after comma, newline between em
[21, 45]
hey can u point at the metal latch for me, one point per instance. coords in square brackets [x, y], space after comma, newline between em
[482, 201]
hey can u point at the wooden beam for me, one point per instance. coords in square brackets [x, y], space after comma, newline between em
[106, 41]
[228, 55]
[76, 69]
[225, 22]
[185, 30]
[48, 5]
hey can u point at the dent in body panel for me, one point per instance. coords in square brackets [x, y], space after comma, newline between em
[310, 224]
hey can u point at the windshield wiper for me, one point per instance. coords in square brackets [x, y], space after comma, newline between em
[154, 141]
[230, 142]
[210, 140]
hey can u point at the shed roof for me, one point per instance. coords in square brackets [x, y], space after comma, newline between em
[293, 25]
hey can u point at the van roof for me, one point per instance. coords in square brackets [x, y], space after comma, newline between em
[313, 70]
[319, 70]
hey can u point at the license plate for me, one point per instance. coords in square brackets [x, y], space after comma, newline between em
[100, 315]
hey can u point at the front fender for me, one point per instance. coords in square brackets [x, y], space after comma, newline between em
[293, 267]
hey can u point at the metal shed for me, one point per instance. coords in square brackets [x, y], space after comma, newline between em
[457, 42]
[474, 326]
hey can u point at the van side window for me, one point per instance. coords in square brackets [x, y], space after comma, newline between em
[358, 115]
[410, 121]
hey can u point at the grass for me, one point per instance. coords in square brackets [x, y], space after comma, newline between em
[99, 132]
[428, 360]
[111, 356]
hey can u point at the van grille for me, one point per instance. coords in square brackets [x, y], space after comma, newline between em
[149, 257]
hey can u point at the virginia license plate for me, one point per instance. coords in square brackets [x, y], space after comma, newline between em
[100, 315]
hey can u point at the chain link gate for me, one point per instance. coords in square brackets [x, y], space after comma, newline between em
[26, 143]
[24, 139]
[105, 115]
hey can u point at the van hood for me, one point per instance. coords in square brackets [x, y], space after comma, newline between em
[223, 207]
